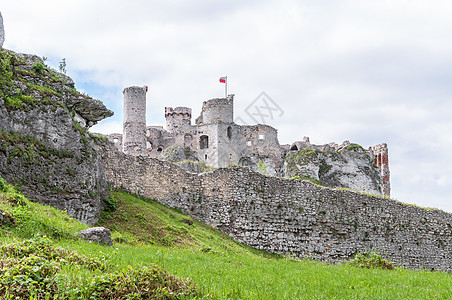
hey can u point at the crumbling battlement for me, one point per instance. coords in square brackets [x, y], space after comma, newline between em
[290, 217]
[176, 118]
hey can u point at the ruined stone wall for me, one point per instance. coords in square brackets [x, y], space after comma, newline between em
[207, 140]
[176, 117]
[290, 217]
[262, 151]
[116, 139]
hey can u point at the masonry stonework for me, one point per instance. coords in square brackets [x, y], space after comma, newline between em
[290, 217]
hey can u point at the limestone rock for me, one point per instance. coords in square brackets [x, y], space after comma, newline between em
[90, 109]
[44, 145]
[350, 167]
[2, 31]
[100, 235]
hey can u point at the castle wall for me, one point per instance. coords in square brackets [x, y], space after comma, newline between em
[261, 146]
[116, 139]
[290, 217]
[230, 144]
[207, 143]
[134, 131]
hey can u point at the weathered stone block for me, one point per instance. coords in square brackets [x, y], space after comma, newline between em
[100, 235]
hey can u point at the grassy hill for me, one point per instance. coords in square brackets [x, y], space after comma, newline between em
[157, 249]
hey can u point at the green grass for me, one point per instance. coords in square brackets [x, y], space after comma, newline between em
[151, 238]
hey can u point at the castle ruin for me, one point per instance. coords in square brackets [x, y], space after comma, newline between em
[217, 141]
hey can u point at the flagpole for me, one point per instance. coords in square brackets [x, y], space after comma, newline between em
[226, 87]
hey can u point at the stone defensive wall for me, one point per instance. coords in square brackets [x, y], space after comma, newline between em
[290, 217]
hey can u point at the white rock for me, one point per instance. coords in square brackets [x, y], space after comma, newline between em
[2, 31]
[98, 235]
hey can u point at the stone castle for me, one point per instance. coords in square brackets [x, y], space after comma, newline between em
[45, 147]
[217, 141]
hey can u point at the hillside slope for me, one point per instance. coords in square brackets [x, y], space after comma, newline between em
[39, 247]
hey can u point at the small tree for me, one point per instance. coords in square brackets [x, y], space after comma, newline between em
[62, 66]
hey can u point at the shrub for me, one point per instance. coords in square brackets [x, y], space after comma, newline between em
[38, 67]
[111, 203]
[32, 270]
[371, 260]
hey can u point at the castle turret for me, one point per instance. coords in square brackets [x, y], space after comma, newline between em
[381, 160]
[176, 118]
[134, 135]
[217, 110]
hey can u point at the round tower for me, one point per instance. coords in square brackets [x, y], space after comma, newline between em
[134, 134]
[218, 110]
[176, 118]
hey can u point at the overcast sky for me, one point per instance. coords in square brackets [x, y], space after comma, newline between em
[364, 71]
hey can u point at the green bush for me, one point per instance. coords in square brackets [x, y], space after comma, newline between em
[111, 203]
[32, 269]
[371, 260]
[38, 67]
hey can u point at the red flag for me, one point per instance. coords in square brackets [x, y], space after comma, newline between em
[223, 79]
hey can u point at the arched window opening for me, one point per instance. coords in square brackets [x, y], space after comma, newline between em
[229, 132]
[160, 149]
[115, 140]
[294, 147]
[203, 142]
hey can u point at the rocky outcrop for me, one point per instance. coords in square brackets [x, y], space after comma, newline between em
[45, 147]
[2, 31]
[350, 167]
[99, 235]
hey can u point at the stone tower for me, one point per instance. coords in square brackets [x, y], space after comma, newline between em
[217, 110]
[176, 117]
[381, 160]
[134, 130]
